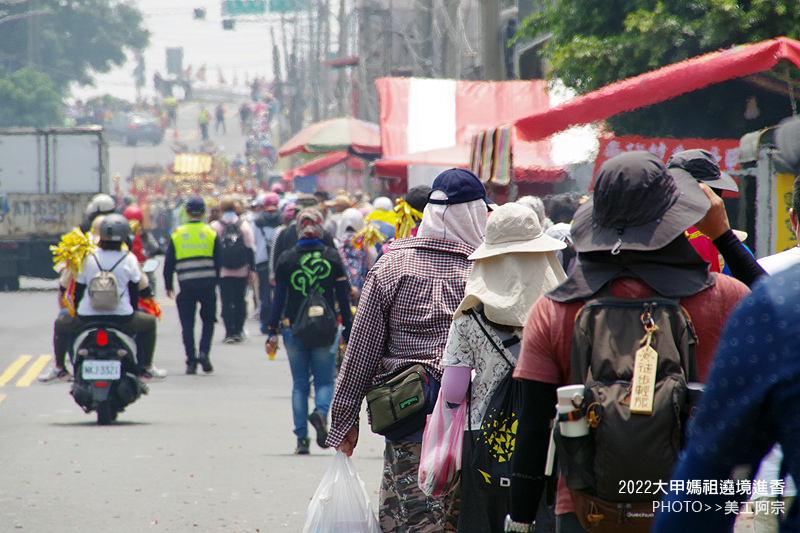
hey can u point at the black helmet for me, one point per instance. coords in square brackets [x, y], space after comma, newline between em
[114, 227]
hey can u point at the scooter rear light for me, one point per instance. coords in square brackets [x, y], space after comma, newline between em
[102, 338]
[101, 384]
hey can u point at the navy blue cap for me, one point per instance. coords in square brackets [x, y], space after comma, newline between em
[195, 204]
[460, 186]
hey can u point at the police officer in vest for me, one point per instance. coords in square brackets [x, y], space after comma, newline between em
[193, 252]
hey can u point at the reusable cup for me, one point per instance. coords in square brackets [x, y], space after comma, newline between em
[569, 399]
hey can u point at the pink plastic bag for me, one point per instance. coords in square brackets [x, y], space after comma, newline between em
[442, 441]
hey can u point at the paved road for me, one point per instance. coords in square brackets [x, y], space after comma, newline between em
[122, 158]
[200, 453]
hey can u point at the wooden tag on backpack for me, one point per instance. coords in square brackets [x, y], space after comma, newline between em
[643, 385]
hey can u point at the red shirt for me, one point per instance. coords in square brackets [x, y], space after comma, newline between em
[547, 336]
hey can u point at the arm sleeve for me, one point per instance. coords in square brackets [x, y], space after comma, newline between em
[343, 297]
[743, 265]
[455, 382]
[530, 449]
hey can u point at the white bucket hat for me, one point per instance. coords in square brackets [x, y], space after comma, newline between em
[514, 228]
[514, 267]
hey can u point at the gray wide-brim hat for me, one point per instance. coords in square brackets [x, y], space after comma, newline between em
[702, 166]
[637, 205]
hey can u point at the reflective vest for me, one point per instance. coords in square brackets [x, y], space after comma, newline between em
[194, 251]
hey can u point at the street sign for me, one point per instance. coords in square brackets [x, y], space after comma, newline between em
[284, 6]
[243, 7]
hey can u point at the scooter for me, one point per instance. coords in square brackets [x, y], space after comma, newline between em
[106, 377]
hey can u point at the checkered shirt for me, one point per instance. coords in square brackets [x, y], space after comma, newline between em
[404, 315]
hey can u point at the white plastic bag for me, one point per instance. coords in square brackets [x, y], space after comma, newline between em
[341, 503]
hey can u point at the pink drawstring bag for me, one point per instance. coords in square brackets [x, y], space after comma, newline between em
[442, 441]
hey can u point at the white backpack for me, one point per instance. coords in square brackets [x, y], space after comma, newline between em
[104, 289]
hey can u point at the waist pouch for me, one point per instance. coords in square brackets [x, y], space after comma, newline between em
[399, 405]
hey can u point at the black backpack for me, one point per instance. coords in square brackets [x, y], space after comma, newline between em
[635, 420]
[494, 446]
[233, 253]
[315, 324]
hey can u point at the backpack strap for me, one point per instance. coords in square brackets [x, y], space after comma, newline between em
[491, 340]
[113, 267]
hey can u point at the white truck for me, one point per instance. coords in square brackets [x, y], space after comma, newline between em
[47, 177]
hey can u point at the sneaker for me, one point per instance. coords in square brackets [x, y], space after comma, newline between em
[55, 374]
[153, 373]
[237, 338]
[302, 446]
[229, 340]
[191, 369]
[318, 421]
[244, 334]
[205, 362]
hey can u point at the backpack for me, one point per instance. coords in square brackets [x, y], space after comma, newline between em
[233, 253]
[103, 288]
[633, 403]
[268, 232]
[315, 324]
[494, 446]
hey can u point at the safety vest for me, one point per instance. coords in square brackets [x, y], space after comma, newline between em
[194, 251]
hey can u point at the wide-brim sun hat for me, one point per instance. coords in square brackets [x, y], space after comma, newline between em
[701, 166]
[514, 228]
[637, 205]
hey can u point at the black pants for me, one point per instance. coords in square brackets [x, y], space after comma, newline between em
[140, 324]
[234, 306]
[264, 296]
[187, 301]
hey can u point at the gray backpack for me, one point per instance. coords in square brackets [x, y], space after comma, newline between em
[614, 472]
[104, 289]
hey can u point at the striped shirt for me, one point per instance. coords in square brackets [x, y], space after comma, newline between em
[403, 318]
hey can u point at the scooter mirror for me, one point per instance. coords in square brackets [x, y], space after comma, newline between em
[150, 265]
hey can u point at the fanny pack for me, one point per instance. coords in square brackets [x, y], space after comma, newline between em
[398, 405]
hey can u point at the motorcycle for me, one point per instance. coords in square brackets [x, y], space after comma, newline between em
[105, 366]
[106, 379]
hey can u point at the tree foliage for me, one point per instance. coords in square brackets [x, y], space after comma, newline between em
[73, 40]
[28, 98]
[596, 42]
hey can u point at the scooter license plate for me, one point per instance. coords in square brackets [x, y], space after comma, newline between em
[101, 369]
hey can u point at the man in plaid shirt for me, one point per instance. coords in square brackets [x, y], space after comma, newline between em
[403, 318]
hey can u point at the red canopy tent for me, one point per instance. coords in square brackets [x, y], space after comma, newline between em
[659, 85]
[338, 170]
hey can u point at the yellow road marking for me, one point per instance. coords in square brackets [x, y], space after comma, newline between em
[15, 367]
[2, 397]
[34, 370]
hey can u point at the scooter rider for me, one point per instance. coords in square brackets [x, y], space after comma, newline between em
[114, 232]
[193, 252]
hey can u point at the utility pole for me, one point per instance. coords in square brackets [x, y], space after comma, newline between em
[423, 64]
[451, 41]
[341, 85]
[324, 71]
[492, 57]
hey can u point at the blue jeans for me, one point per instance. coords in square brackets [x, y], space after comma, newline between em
[304, 363]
